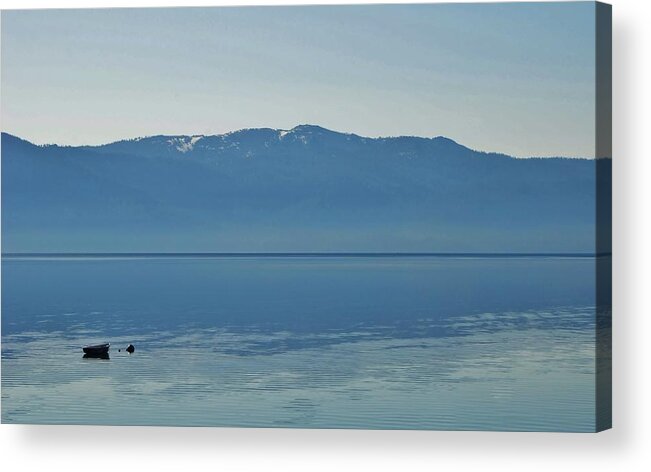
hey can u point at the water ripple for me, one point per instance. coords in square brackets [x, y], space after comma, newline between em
[490, 371]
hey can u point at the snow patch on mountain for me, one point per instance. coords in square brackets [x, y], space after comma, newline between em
[184, 143]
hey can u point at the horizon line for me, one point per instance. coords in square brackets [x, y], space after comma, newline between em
[300, 254]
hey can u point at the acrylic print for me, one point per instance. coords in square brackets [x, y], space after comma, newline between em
[362, 216]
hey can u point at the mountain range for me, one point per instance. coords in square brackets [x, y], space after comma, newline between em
[305, 189]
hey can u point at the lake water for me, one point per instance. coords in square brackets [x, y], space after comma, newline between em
[488, 343]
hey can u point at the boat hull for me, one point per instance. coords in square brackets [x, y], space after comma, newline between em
[97, 350]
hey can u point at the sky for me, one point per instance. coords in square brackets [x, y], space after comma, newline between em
[516, 78]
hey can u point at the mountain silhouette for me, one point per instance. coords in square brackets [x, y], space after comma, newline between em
[304, 189]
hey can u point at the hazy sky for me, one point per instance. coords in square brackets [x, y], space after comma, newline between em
[515, 78]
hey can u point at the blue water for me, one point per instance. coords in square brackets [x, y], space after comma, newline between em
[406, 342]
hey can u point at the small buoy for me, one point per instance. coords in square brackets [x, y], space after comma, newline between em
[130, 348]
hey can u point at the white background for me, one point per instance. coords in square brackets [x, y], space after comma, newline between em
[627, 447]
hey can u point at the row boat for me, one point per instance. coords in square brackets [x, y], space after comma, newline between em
[97, 349]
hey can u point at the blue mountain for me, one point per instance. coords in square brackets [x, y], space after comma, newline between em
[304, 189]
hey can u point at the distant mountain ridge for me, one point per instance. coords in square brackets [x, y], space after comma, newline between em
[250, 138]
[186, 143]
[304, 189]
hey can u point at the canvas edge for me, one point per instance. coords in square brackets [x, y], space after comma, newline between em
[603, 221]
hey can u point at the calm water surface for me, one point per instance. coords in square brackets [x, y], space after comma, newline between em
[340, 342]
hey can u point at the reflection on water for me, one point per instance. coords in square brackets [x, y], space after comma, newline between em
[104, 356]
[338, 343]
